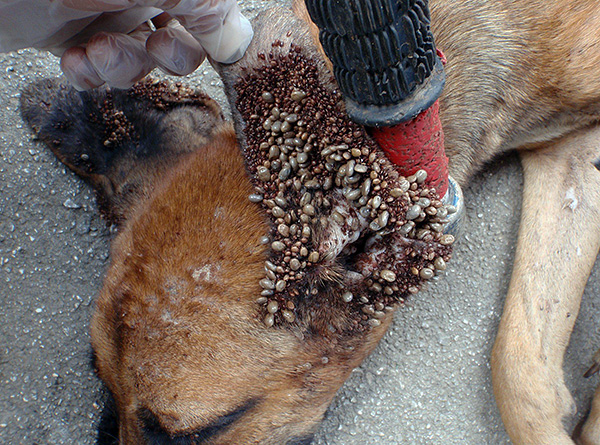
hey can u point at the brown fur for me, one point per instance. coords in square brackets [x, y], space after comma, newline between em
[176, 334]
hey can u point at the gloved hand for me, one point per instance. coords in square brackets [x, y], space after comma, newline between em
[110, 40]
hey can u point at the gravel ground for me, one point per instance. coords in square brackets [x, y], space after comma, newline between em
[427, 382]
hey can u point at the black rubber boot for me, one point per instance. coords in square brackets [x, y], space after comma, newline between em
[383, 55]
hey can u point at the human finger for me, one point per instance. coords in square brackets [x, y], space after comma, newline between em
[78, 69]
[218, 25]
[174, 50]
[120, 60]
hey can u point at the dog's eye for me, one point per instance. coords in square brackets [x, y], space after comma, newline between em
[156, 434]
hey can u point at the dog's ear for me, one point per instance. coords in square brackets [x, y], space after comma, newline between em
[344, 246]
[120, 141]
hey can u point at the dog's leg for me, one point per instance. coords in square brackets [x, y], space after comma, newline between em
[590, 433]
[559, 238]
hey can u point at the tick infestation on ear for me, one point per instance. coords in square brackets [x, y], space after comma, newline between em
[341, 215]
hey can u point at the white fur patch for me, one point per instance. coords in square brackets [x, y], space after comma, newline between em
[205, 273]
[571, 200]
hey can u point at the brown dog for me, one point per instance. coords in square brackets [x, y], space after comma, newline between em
[176, 331]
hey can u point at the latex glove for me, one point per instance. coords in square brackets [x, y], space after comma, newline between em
[108, 40]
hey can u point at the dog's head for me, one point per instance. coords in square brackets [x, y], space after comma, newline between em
[178, 333]
[225, 319]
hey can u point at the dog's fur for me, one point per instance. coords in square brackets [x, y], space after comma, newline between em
[175, 330]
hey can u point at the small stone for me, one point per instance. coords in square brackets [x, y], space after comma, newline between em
[376, 202]
[404, 185]
[406, 228]
[70, 204]
[360, 168]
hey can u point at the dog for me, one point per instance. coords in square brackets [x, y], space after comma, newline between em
[518, 78]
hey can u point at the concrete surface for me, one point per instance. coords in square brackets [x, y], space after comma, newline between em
[427, 382]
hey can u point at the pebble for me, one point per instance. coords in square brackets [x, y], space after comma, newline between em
[70, 204]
